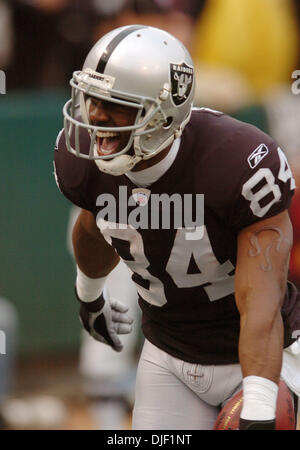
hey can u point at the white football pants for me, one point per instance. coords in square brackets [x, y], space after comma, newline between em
[172, 394]
[176, 395]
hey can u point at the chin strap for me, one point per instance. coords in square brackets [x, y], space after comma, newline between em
[118, 165]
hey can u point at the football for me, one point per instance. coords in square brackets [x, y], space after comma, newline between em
[228, 418]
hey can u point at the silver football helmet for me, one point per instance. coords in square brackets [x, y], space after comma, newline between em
[144, 68]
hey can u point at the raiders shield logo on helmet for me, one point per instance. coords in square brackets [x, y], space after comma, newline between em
[182, 81]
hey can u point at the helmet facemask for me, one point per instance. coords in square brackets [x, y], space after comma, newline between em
[149, 118]
[140, 67]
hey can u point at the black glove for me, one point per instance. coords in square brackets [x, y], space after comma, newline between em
[257, 424]
[104, 320]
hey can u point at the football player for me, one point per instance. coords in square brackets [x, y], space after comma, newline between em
[217, 310]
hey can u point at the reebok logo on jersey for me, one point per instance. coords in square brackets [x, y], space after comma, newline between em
[257, 155]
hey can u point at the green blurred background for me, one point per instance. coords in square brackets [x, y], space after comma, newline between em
[37, 273]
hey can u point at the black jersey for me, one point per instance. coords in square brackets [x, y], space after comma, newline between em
[184, 274]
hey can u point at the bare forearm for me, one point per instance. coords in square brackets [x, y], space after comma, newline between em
[261, 332]
[261, 275]
[260, 346]
[92, 253]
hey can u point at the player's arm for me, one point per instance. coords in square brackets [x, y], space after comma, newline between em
[93, 255]
[95, 259]
[260, 285]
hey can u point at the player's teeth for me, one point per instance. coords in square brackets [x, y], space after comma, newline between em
[105, 152]
[103, 134]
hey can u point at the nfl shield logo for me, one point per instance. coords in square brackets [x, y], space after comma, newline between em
[141, 196]
[182, 77]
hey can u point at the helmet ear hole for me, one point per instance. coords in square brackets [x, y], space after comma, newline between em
[168, 123]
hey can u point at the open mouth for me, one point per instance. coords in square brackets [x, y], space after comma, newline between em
[107, 143]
